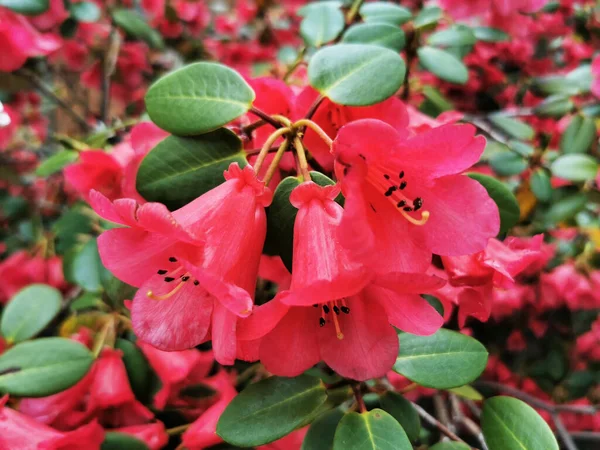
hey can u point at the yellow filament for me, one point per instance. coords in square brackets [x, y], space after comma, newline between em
[151, 295]
[422, 221]
[338, 330]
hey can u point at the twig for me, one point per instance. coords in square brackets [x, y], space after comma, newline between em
[466, 422]
[358, 395]
[35, 81]
[353, 11]
[436, 423]
[563, 433]
[537, 403]
[313, 108]
[109, 65]
[297, 62]
[264, 116]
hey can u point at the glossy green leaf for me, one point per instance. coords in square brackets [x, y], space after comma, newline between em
[513, 127]
[450, 446]
[179, 169]
[29, 312]
[504, 199]
[443, 64]
[140, 374]
[356, 74]
[43, 367]
[372, 430]
[137, 26]
[322, 23]
[507, 163]
[382, 34]
[540, 185]
[82, 266]
[582, 77]
[510, 424]
[467, 392]
[554, 84]
[554, 106]
[198, 98]
[404, 412]
[427, 17]
[384, 12]
[322, 431]
[444, 360]
[86, 12]
[113, 440]
[56, 163]
[487, 34]
[457, 35]
[281, 216]
[27, 7]
[575, 167]
[270, 409]
[579, 135]
[565, 209]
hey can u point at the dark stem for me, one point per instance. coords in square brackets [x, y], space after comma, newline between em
[36, 82]
[411, 53]
[256, 151]
[563, 433]
[358, 395]
[264, 116]
[313, 108]
[436, 423]
[109, 63]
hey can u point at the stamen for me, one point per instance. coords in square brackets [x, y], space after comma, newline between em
[338, 330]
[422, 221]
[196, 282]
[172, 259]
[162, 272]
[321, 322]
[336, 310]
[403, 185]
[185, 277]
[401, 203]
[326, 309]
[345, 310]
[417, 203]
[151, 295]
[169, 279]
[401, 174]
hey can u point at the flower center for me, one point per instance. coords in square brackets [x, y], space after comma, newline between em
[175, 275]
[392, 187]
[336, 306]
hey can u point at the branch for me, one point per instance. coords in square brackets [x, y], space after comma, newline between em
[465, 421]
[436, 423]
[563, 433]
[109, 65]
[264, 116]
[358, 395]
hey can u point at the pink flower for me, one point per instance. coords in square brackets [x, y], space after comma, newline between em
[53, 17]
[334, 310]
[18, 431]
[152, 434]
[596, 76]
[588, 344]
[407, 199]
[21, 41]
[203, 257]
[331, 117]
[97, 170]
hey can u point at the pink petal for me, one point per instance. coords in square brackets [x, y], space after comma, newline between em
[224, 334]
[262, 320]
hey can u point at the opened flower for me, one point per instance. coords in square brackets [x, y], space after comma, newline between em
[335, 310]
[407, 199]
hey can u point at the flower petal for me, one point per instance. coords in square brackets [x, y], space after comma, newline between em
[223, 334]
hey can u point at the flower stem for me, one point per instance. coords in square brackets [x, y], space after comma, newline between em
[297, 62]
[302, 162]
[313, 108]
[354, 10]
[267, 146]
[264, 116]
[316, 128]
[359, 399]
[275, 163]
[178, 430]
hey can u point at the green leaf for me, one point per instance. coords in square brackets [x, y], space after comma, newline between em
[582, 77]
[457, 35]
[510, 424]
[29, 312]
[565, 208]
[180, 169]
[382, 34]
[56, 163]
[444, 360]
[27, 7]
[281, 216]
[138, 27]
[554, 84]
[198, 98]
[86, 12]
[436, 100]
[139, 372]
[450, 446]
[270, 409]
[322, 23]
[43, 367]
[113, 440]
[554, 106]
[487, 34]
[467, 392]
[373, 430]
[443, 64]
[322, 431]
[504, 199]
[540, 185]
[356, 74]
[404, 412]
[579, 135]
[383, 12]
[427, 16]
[82, 266]
[507, 163]
[575, 167]
[513, 127]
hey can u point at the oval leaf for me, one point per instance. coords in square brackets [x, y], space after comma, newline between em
[507, 163]
[404, 412]
[575, 167]
[198, 98]
[513, 127]
[443, 64]
[56, 163]
[579, 135]
[487, 34]
[27, 7]
[86, 12]
[270, 409]
[29, 312]
[356, 74]
[565, 209]
[540, 185]
[554, 106]
[428, 16]
[322, 431]
[467, 392]
[450, 446]
[504, 199]
[137, 26]
[180, 169]
[82, 266]
[383, 12]
[120, 441]
[43, 367]
[444, 360]
[140, 374]
[323, 23]
[374, 429]
[457, 35]
[381, 34]
[510, 424]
